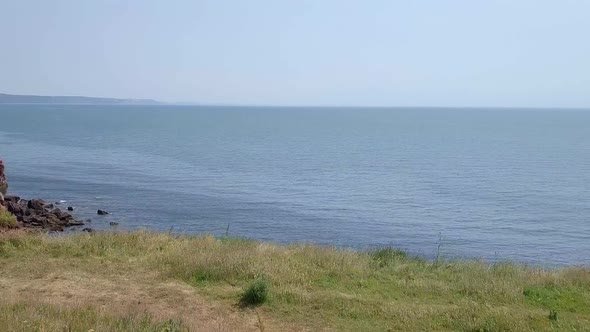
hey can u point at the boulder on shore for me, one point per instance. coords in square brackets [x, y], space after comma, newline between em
[3, 186]
[3, 182]
[35, 213]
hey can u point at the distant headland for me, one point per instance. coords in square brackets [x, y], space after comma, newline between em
[33, 99]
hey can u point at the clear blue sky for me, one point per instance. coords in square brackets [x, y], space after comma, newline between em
[301, 52]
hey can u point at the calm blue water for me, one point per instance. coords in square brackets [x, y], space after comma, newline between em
[495, 184]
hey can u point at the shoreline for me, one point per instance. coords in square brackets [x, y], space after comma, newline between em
[53, 217]
[57, 217]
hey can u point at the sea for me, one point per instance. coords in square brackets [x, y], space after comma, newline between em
[458, 183]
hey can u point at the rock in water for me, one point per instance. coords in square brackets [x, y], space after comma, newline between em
[70, 208]
[101, 212]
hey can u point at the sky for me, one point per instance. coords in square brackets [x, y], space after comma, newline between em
[454, 53]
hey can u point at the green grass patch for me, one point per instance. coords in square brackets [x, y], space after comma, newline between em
[7, 220]
[558, 298]
[387, 255]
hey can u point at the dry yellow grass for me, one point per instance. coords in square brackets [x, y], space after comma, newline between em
[155, 281]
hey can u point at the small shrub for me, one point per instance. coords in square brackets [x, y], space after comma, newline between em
[553, 315]
[256, 293]
[7, 220]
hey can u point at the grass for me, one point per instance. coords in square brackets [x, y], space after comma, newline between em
[199, 282]
[26, 317]
[7, 220]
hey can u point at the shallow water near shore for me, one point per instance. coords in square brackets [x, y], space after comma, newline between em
[497, 184]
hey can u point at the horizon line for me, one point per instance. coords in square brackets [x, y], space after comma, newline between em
[213, 104]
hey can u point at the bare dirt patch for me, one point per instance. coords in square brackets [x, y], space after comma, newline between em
[168, 300]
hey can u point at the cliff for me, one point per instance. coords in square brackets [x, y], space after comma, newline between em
[32, 99]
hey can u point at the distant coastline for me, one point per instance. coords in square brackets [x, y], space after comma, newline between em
[74, 100]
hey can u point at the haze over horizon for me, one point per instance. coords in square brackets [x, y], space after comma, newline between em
[375, 53]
